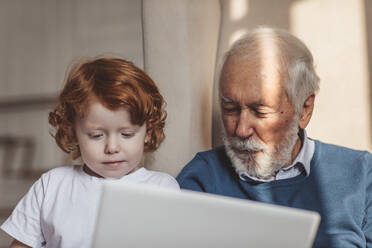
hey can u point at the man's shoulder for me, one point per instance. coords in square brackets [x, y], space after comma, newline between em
[205, 170]
[212, 153]
[333, 147]
[213, 161]
[215, 156]
[339, 152]
[207, 161]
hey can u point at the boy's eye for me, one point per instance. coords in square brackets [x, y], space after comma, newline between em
[95, 135]
[127, 135]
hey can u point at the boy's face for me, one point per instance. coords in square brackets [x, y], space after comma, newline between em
[110, 145]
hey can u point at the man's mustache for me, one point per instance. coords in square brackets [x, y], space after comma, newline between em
[249, 144]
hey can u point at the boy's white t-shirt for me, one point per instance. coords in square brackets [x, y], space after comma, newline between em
[60, 209]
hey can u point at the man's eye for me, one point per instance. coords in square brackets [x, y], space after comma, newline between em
[231, 110]
[259, 113]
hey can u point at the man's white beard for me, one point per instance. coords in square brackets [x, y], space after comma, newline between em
[268, 162]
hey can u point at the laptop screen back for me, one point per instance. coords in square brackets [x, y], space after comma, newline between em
[133, 215]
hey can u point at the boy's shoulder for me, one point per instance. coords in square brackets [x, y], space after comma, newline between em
[65, 169]
[146, 176]
[62, 173]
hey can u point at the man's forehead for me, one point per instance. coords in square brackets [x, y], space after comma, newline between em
[263, 62]
[260, 72]
[250, 81]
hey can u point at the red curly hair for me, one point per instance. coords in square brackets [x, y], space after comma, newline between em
[115, 83]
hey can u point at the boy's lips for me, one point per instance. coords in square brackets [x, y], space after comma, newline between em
[113, 163]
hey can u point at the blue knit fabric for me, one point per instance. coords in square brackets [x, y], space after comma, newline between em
[339, 188]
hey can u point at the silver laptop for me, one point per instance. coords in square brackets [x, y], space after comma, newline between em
[133, 215]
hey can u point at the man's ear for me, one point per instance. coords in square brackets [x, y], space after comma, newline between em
[306, 112]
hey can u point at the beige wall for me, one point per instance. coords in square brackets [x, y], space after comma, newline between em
[335, 31]
[181, 39]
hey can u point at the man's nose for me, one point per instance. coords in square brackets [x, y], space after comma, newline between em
[244, 128]
[112, 145]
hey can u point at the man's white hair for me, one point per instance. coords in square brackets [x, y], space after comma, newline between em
[295, 61]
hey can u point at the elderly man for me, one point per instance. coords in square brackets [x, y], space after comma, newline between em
[267, 91]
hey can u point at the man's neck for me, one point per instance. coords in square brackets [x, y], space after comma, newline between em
[296, 148]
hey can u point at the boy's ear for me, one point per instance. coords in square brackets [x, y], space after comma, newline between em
[147, 137]
[75, 141]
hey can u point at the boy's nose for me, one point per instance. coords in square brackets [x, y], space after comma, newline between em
[112, 146]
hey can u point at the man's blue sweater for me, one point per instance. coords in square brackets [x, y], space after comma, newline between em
[339, 188]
